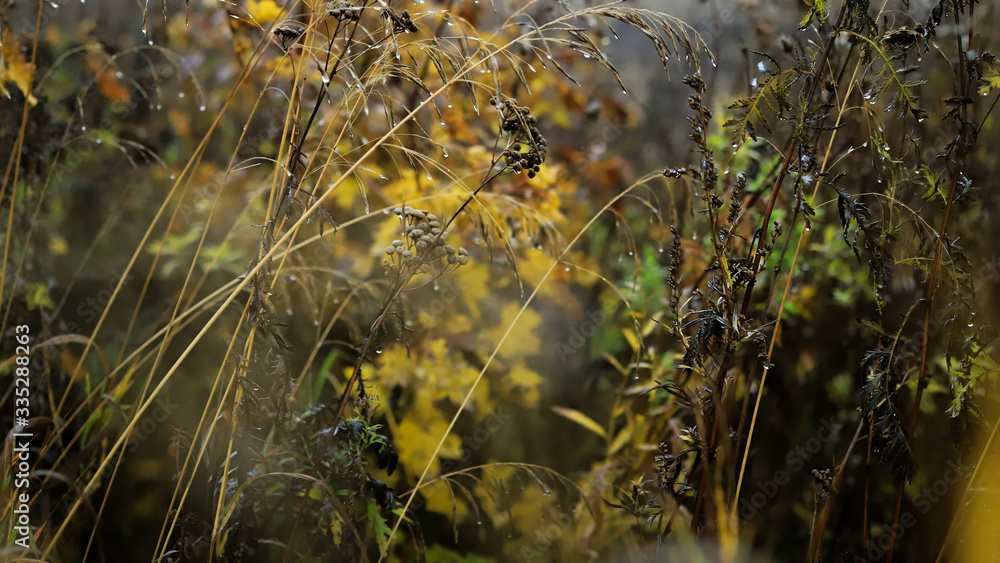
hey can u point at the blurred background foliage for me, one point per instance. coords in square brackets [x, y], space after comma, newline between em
[148, 148]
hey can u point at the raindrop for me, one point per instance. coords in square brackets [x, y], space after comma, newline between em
[159, 107]
[201, 107]
[660, 250]
[172, 177]
[384, 177]
[446, 153]
[326, 80]
[180, 95]
[567, 268]
[83, 128]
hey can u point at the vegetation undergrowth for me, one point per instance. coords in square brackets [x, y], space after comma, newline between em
[369, 281]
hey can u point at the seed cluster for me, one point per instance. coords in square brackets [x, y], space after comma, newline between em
[528, 147]
[401, 23]
[422, 245]
[343, 11]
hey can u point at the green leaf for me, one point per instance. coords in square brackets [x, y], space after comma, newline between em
[379, 526]
[38, 296]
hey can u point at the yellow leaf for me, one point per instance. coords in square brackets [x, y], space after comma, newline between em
[447, 502]
[581, 419]
[15, 68]
[263, 11]
[474, 280]
[630, 337]
[415, 443]
[528, 381]
[521, 341]
[620, 440]
[392, 370]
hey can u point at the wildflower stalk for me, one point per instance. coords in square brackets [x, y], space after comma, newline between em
[756, 257]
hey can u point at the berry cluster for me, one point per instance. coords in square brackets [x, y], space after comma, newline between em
[528, 148]
[423, 244]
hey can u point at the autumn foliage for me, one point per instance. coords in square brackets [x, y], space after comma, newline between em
[443, 280]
